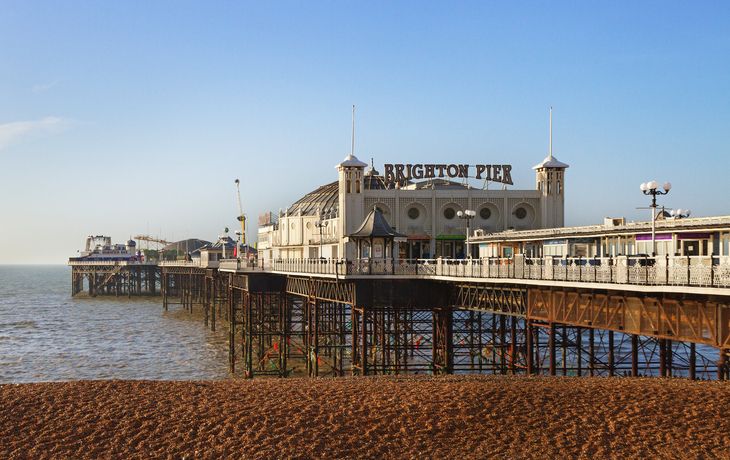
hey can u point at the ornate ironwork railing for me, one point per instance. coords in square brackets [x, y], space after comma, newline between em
[698, 271]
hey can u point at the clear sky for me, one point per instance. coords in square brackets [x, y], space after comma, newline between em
[136, 117]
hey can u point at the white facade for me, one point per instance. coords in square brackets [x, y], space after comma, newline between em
[426, 212]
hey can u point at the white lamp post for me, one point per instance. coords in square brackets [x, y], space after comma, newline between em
[238, 242]
[650, 188]
[321, 224]
[467, 215]
[224, 239]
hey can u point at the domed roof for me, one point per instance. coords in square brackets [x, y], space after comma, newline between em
[351, 162]
[550, 162]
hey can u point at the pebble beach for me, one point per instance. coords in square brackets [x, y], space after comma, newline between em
[413, 417]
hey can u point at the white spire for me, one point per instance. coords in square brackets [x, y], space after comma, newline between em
[351, 160]
[551, 131]
[550, 161]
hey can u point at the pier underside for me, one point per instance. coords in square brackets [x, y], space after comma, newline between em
[283, 326]
[109, 279]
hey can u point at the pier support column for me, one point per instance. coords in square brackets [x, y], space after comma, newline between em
[513, 347]
[215, 303]
[634, 355]
[528, 348]
[552, 348]
[578, 351]
[722, 365]
[611, 356]
[591, 352]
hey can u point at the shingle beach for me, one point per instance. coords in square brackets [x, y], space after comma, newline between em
[419, 417]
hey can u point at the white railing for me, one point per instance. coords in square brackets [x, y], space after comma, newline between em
[703, 271]
[102, 262]
[239, 264]
[179, 263]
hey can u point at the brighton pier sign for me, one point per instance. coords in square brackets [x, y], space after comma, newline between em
[494, 173]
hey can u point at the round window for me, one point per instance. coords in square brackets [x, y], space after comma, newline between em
[292, 225]
[309, 225]
[413, 213]
[377, 208]
[485, 213]
[521, 213]
[449, 213]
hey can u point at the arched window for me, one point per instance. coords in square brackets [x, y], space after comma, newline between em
[348, 188]
[357, 186]
[559, 189]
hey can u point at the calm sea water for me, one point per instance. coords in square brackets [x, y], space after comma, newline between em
[47, 335]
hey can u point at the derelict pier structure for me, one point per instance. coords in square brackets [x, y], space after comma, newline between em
[115, 278]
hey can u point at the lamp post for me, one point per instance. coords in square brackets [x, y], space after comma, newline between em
[680, 214]
[467, 215]
[321, 224]
[238, 243]
[650, 188]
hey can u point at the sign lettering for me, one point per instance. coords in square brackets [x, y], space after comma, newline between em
[494, 173]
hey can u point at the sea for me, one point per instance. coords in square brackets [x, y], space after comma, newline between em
[46, 335]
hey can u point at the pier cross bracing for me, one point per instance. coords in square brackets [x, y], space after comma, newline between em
[496, 316]
[117, 278]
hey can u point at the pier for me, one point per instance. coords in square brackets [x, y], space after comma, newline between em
[115, 278]
[540, 316]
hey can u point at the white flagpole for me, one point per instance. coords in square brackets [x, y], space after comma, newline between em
[551, 131]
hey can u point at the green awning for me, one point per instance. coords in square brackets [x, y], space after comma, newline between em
[451, 237]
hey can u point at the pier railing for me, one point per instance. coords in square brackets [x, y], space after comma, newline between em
[700, 271]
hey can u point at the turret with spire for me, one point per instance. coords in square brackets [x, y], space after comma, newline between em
[351, 199]
[551, 182]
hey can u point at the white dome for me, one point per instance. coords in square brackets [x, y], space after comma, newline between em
[550, 162]
[351, 162]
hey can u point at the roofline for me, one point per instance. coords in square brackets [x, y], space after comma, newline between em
[632, 228]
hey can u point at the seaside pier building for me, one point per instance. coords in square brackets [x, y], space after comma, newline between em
[420, 201]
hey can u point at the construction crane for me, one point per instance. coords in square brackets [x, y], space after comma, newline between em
[241, 217]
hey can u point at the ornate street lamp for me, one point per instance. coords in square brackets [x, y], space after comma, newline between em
[680, 214]
[650, 188]
[467, 215]
[321, 224]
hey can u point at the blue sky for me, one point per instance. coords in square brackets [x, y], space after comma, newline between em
[136, 117]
